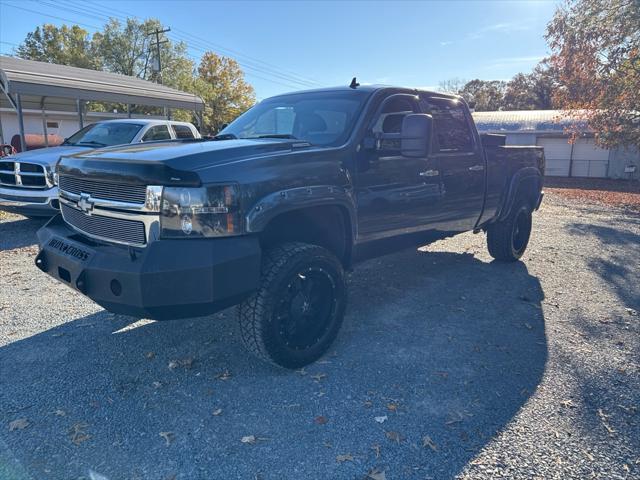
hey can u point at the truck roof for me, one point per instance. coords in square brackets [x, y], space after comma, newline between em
[145, 121]
[367, 88]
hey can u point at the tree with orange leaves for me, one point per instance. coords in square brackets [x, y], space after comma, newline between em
[596, 53]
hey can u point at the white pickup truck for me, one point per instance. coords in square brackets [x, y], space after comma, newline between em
[27, 184]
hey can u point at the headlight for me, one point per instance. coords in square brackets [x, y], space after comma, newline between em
[212, 211]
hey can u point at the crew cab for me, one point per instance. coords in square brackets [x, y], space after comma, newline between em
[271, 213]
[27, 183]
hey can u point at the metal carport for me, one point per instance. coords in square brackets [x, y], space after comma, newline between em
[47, 86]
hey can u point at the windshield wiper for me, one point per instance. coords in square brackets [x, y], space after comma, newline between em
[225, 136]
[92, 143]
[275, 135]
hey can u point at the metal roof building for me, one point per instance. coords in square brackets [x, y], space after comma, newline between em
[549, 129]
[27, 84]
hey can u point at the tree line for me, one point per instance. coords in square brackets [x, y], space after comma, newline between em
[525, 91]
[594, 67]
[127, 49]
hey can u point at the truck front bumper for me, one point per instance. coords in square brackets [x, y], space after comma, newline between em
[167, 279]
[30, 201]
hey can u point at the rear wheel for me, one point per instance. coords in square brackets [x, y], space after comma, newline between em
[508, 239]
[295, 315]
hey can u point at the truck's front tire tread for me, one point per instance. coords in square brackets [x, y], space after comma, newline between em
[255, 313]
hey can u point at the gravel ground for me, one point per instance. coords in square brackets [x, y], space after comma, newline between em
[448, 366]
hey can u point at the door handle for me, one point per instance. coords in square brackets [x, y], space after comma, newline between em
[477, 168]
[429, 173]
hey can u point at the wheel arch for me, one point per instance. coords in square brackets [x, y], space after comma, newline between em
[525, 182]
[321, 215]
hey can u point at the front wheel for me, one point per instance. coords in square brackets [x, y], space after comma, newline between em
[508, 239]
[295, 315]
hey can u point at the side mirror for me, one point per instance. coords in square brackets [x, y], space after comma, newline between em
[417, 129]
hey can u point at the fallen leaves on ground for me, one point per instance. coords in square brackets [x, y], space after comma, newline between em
[428, 442]
[567, 404]
[250, 439]
[78, 434]
[217, 412]
[394, 436]
[186, 363]
[60, 413]
[392, 407]
[347, 457]
[376, 474]
[381, 419]
[320, 420]
[168, 437]
[18, 424]
[319, 376]
[376, 449]
[604, 418]
[150, 355]
[225, 375]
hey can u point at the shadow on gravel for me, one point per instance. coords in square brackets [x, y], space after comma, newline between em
[443, 348]
[19, 233]
[611, 393]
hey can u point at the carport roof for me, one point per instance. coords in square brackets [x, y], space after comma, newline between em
[529, 121]
[60, 86]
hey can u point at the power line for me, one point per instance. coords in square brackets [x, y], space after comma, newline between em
[157, 33]
[279, 78]
[251, 62]
[51, 16]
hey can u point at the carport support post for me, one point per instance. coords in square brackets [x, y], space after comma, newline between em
[128, 110]
[44, 123]
[23, 143]
[80, 106]
[199, 117]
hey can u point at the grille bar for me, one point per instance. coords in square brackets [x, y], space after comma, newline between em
[109, 228]
[104, 190]
[22, 174]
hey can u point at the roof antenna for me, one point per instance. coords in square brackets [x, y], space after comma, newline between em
[354, 83]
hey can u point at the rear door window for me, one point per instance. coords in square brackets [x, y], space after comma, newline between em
[182, 131]
[451, 126]
[157, 132]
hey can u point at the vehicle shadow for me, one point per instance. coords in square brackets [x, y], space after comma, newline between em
[438, 352]
[19, 232]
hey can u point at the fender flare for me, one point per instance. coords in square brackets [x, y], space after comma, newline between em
[283, 201]
[520, 177]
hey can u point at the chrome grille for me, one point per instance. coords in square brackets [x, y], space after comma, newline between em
[21, 174]
[119, 192]
[108, 228]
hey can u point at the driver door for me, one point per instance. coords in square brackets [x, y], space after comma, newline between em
[395, 194]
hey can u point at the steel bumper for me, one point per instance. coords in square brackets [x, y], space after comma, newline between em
[167, 279]
[30, 201]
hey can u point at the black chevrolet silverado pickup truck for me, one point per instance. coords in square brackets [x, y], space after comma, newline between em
[270, 213]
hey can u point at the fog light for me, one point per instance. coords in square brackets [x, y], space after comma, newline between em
[187, 226]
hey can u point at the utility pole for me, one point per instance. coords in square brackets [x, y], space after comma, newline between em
[157, 33]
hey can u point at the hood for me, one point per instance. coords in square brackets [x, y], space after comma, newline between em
[46, 156]
[169, 162]
[190, 155]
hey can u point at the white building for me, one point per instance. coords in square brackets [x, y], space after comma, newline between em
[547, 128]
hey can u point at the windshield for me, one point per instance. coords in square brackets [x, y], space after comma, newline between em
[105, 134]
[321, 118]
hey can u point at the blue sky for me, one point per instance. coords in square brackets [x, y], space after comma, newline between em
[287, 46]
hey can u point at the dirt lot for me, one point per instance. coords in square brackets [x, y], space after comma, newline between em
[448, 366]
[620, 193]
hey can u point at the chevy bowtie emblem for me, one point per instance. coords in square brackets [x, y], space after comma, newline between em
[85, 203]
